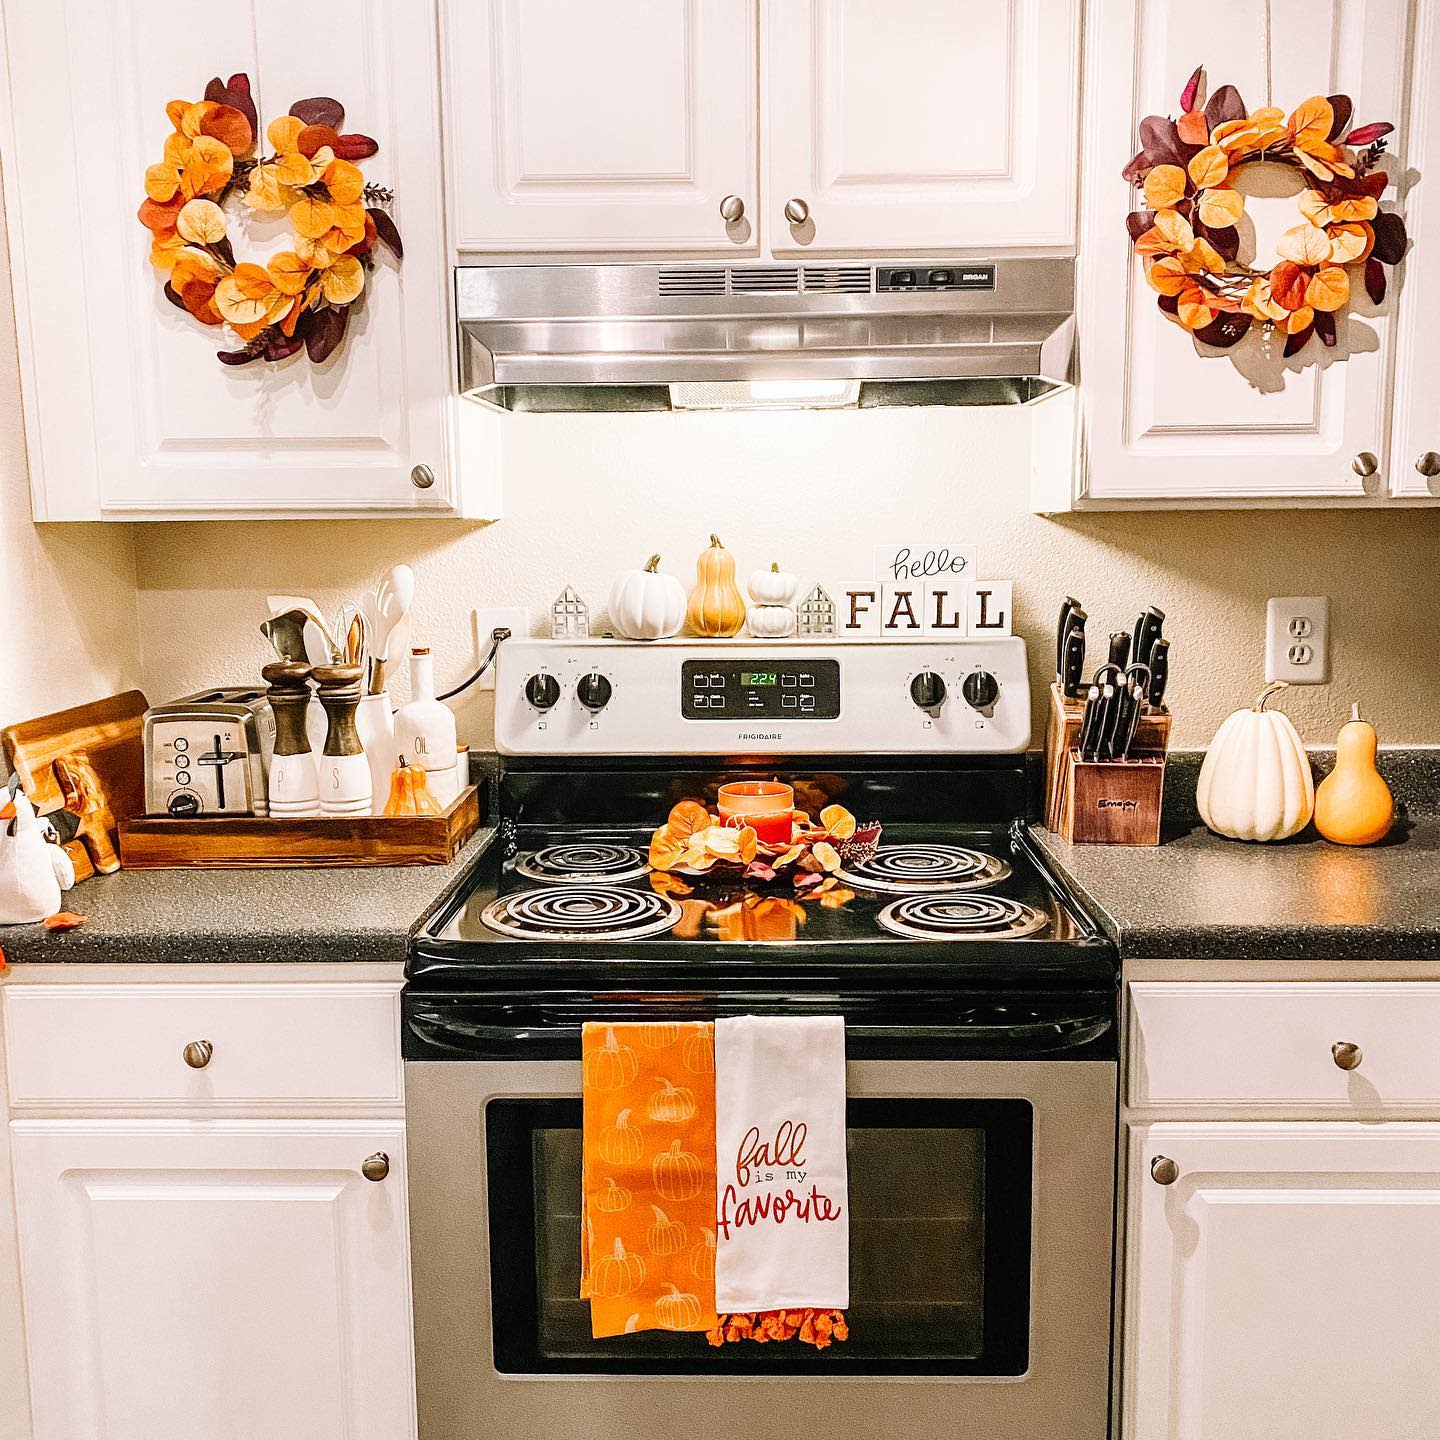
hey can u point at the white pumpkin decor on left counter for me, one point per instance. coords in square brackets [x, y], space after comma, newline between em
[647, 604]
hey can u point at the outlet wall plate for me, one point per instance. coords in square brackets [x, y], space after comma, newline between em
[515, 618]
[1297, 639]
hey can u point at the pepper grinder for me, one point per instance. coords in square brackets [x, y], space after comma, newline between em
[294, 781]
[343, 769]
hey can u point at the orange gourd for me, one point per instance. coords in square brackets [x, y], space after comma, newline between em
[676, 1173]
[671, 1104]
[611, 1067]
[622, 1143]
[1353, 804]
[677, 1310]
[665, 1236]
[619, 1273]
[410, 792]
[717, 608]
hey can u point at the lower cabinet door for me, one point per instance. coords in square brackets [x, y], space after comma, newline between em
[1281, 1285]
[223, 1279]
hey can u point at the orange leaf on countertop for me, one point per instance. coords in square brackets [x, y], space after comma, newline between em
[64, 920]
[688, 817]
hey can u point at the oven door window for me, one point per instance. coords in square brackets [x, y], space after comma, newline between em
[940, 1284]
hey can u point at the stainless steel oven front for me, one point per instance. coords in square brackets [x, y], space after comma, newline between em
[981, 1202]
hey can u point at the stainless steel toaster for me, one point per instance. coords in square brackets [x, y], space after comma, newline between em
[209, 754]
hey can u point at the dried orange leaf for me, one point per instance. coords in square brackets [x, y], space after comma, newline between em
[1175, 228]
[666, 848]
[1305, 245]
[826, 854]
[164, 249]
[1193, 311]
[176, 109]
[1355, 207]
[267, 191]
[161, 182]
[317, 257]
[190, 265]
[1193, 128]
[1301, 319]
[312, 217]
[1203, 258]
[295, 169]
[229, 127]
[838, 821]
[688, 817]
[208, 166]
[284, 132]
[65, 920]
[1164, 185]
[194, 114]
[1221, 208]
[1167, 275]
[1312, 120]
[1350, 244]
[160, 218]
[202, 222]
[1152, 242]
[288, 272]
[344, 181]
[1209, 167]
[1329, 290]
[244, 300]
[315, 137]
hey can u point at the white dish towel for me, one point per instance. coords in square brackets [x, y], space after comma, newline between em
[783, 1221]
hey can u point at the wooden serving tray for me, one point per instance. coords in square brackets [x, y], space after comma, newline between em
[243, 842]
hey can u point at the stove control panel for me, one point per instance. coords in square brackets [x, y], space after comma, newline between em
[761, 697]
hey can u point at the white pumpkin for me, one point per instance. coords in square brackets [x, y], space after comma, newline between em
[772, 587]
[647, 604]
[771, 622]
[1255, 781]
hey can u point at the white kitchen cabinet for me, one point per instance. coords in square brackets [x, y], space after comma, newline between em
[1162, 422]
[1415, 470]
[128, 413]
[615, 127]
[228, 1278]
[920, 126]
[1280, 1288]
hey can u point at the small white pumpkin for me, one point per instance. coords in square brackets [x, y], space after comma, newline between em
[647, 604]
[772, 587]
[1255, 780]
[771, 622]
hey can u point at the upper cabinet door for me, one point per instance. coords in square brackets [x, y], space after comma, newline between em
[920, 125]
[1415, 474]
[128, 412]
[625, 126]
[1165, 418]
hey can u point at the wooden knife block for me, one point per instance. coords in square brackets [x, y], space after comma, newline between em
[1103, 802]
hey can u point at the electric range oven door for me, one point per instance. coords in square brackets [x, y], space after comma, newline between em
[981, 1205]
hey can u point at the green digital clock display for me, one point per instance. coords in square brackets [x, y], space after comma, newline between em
[754, 679]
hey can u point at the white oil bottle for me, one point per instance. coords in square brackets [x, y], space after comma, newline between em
[425, 730]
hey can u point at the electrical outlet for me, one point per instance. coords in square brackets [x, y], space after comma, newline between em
[514, 618]
[1297, 639]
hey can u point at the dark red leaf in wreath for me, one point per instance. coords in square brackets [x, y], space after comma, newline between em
[1161, 142]
[1225, 104]
[1368, 133]
[385, 229]
[1375, 280]
[1325, 328]
[355, 147]
[1170, 304]
[240, 97]
[279, 346]
[1136, 171]
[237, 357]
[1373, 184]
[1226, 240]
[1224, 330]
[174, 299]
[319, 110]
[1288, 283]
[312, 137]
[324, 334]
[1192, 89]
[223, 248]
[1344, 110]
[1137, 222]
[216, 91]
[1294, 344]
[1389, 238]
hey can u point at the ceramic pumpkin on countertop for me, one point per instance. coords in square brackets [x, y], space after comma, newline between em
[772, 616]
[717, 608]
[1255, 781]
[647, 604]
[1353, 805]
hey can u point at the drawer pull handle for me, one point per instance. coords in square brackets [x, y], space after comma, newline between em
[376, 1166]
[1347, 1056]
[1163, 1170]
[197, 1054]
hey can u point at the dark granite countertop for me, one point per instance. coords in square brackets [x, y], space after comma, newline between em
[317, 915]
[1198, 896]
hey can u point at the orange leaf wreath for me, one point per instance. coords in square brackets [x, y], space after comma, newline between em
[1187, 234]
[300, 297]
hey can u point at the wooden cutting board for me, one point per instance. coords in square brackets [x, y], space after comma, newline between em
[100, 776]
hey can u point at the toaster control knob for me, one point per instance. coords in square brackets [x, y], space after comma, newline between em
[927, 690]
[542, 691]
[980, 689]
[183, 804]
[593, 691]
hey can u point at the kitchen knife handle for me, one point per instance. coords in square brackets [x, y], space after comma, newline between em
[1159, 671]
[1119, 648]
[1073, 664]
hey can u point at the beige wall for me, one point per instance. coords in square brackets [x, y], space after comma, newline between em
[587, 496]
[69, 627]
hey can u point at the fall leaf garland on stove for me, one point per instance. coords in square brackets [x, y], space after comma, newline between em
[300, 297]
[1188, 233]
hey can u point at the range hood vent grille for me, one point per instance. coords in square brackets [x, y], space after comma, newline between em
[694, 280]
[765, 280]
[705, 281]
[838, 279]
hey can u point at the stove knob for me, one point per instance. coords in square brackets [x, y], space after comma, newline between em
[542, 691]
[593, 691]
[980, 689]
[927, 690]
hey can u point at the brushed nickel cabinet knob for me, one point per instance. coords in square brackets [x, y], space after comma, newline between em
[376, 1166]
[197, 1054]
[797, 212]
[422, 477]
[732, 208]
[1163, 1170]
[1364, 464]
[1347, 1056]
[1428, 463]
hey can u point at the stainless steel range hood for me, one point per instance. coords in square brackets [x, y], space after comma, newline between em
[812, 335]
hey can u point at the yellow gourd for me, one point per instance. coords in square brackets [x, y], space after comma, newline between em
[717, 608]
[410, 792]
[1353, 805]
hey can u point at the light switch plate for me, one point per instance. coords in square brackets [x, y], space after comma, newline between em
[1297, 639]
[515, 618]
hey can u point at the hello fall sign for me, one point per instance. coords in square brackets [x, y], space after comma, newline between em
[923, 589]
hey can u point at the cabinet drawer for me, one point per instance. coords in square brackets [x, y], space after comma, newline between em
[1272, 1045]
[293, 1045]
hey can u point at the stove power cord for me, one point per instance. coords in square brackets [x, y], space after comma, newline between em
[496, 636]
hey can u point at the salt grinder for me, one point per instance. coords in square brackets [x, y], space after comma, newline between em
[343, 769]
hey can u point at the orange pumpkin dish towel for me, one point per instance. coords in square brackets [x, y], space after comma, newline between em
[647, 1241]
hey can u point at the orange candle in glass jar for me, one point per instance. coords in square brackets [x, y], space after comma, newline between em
[763, 805]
